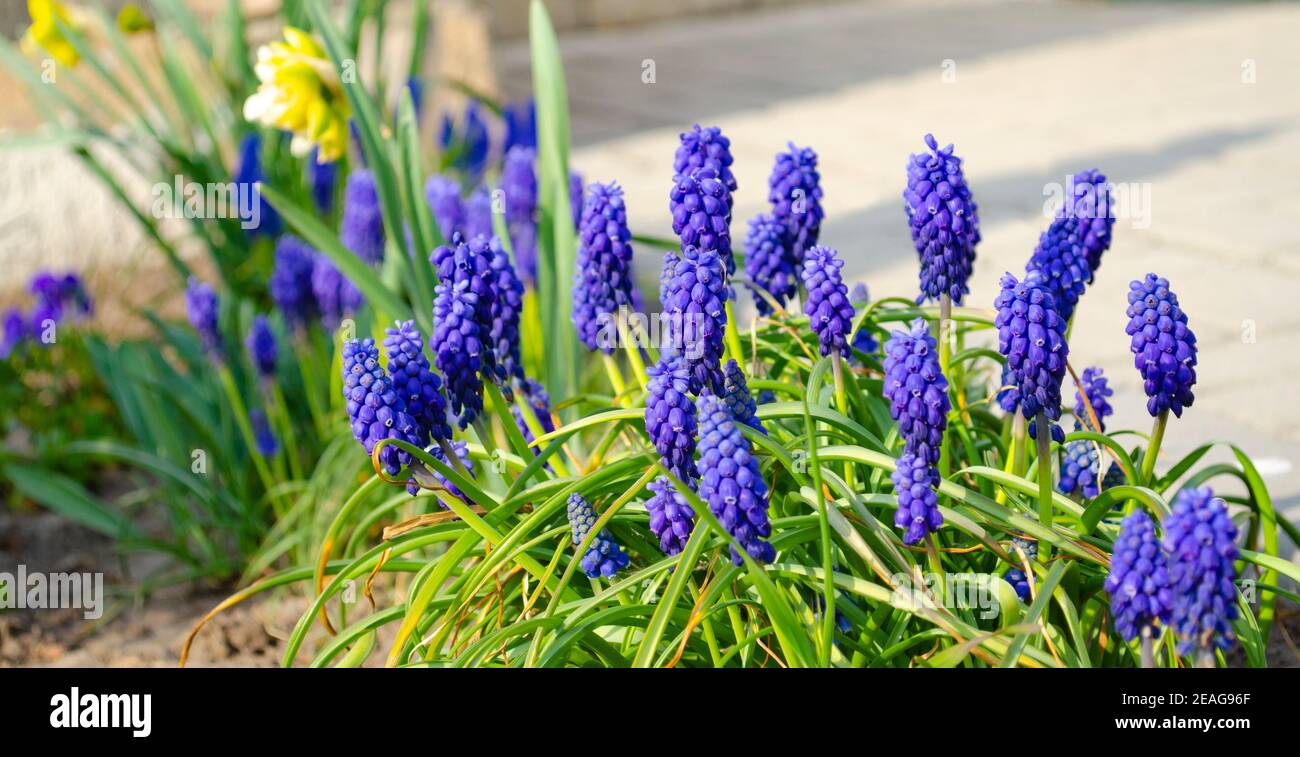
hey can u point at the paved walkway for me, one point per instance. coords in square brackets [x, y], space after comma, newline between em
[1156, 95]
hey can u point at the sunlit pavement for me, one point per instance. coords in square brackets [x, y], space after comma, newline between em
[1193, 107]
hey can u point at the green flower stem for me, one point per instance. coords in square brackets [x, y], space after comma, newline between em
[1148, 653]
[310, 380]
[842, 403]
[632, 345]
[246, 430]
[1205, 658]
[281, 412]
[615, 378]
[733, 335]
[1153, 448]
[1044, 439]
[945, 367]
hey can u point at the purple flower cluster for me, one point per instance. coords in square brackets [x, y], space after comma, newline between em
[1200, 539]
[1139, 579]
[697, 292]
[1164, 348]
[602, 282]
[1090, 203]
[443, 195]
[321, 178]
[335, 294]
[54, 296]
[419, 388]
[916, 484]
[540, 402]
[263, 436]
[705, 147]
[796, 196]
[830, 314]
[459, 348]
[730, 481]
[262, 347]
[1060, 265]
[519, 181]
[248, 174]
[1093, 384]
[604, 557]
[377, 412]
[1015, 575]
[917, 390]
[701, 207]
[737, 398]
[521, 124]
[670, 416]
[1080, 469]
[362, 227]
[863, 341]
[768, 261]
[507, 308]
[1031, 334]
[468, 142]
[202, 308]
[671, 517]
[291, 282]
[944, 221]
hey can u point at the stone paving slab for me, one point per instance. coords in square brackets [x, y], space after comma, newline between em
[1158, 95]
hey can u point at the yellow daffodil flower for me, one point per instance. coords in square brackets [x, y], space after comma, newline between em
[132, 20]
[44, 35]
[299, 91]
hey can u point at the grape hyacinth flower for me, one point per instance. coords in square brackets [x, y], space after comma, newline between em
[1090, 202]
[1139, 579]
[472, 142]
[603, 280]
[267, 444]
[698, 292]
[476, 264]
[575, 197]
[1031, 334]
[769, 263]
[701, 208]
[443, 195]
[508, 305]
[604, 557]
[202, 308]
[705, 147]
[1080, 469]
[670, 416]
[666, 273]
[521, 124]
[863, 341]
[1059, 264]
[1092, 383]
[944, 221]
[730, 481]
[1200, 539]
[519, 182]
[415, 382]
[291, 285]
[459, 346]
[13, 330]
[1164, 348]
[737, 398]
[1015, 575]
[478, 214]
[262, 347]
[362, 227]
[916, 483]
[917, 390]
[796, 197]
[335, 294]
[375, 409]
[248, 175]
[320, 180]
[672, 519]
[829, 312]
